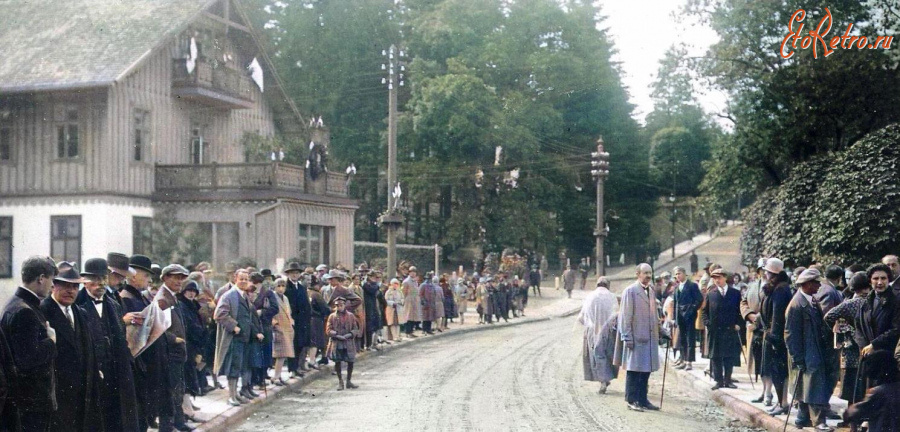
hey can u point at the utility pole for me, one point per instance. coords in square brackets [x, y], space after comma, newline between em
[392, 219]
[600, 171]
[672, 200]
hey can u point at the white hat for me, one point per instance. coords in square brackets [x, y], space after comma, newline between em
[774, 265]
[761, 263]
[321, 267]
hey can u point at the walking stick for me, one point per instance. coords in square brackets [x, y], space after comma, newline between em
[793, 398]
[665, 369]
[744, 353]
[856, 383]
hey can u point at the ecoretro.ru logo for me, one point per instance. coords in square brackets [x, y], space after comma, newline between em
[816, 38]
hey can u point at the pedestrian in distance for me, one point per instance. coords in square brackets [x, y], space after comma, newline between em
[568, 278]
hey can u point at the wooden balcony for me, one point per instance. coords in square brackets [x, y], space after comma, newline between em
[220, 87]
[246, 181]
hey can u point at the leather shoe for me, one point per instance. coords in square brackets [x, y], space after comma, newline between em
[246, 395]
[800, 423]
[777, 411]
[650, 406]
[252, 393]
[717, 386]
[680, 366]
[758, 400]
[240, 398]
[350, 385]
[233, 402]
[635, 407]
[730, 385]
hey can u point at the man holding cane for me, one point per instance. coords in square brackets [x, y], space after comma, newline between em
[721, 316]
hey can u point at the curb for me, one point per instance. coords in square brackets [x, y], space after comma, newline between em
[737, 408]
[237, 415]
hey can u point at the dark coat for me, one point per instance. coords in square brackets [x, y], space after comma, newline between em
[370, 300]
[109, 342]
[881, 327]
[195, 335]
[176, 352]
[33, 352]
[298, 297]
[879, 409]
[319, 312]
[687, 303]
[720, 316]
[150, 364]
[76, 373]
[810, 344]
[771, 322]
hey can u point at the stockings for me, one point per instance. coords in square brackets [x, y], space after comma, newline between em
[337, 368]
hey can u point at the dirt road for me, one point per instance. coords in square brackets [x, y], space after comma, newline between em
[526, 377]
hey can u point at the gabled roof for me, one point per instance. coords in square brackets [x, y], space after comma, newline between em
[56, 45]
[77, 44]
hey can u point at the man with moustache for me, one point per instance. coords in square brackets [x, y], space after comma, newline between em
[118, 274]
[32, 343]
[76, 372]
[638, 339]
[113, 358]
[171, 415]
[235, 328]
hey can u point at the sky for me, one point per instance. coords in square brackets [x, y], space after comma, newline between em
[642, 30]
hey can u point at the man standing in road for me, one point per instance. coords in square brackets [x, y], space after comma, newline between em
[568, 278]
[637, 344]
[809, 343]
[583, 270]
[687, 302]
[598, 307]
[534, 280]
[721, 315]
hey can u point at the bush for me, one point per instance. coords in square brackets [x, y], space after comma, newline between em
[788, 229]
[856, 218]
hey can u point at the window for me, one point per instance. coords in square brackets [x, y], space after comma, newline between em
[66, 117]
[5, 247]
[315, 244]
[6, 139]
[142, 235]
[141, 135]
[65, 238]
[199, 145]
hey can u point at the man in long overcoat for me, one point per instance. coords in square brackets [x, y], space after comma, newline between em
[76, 372]
[810, 344]
[104, 314]
[722, 316]
[32, 342]
[568, 279]
[637, 345]
[301, 312]
[687, 302]
[373, 313]
[751, 302]
[412, 306]
[429, 304]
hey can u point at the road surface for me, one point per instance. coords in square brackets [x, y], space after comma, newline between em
[525, 377]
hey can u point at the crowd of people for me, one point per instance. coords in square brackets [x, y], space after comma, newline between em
[124, 344]
[809, 334]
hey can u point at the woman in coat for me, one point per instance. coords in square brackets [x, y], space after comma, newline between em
[282, 332]
[412, 306]
[449, 303]
[393, 313]
[320, 312]
[461, 294]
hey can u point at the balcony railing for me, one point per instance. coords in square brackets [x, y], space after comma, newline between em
[274, 176]
[221, 86]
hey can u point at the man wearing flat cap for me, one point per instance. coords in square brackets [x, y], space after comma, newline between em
[174, 341]
[721, 316]
[810, 344]
[76, 374]
[114, 362]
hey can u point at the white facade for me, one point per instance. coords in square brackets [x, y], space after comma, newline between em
[106, 226]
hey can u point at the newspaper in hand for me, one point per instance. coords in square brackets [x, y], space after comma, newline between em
[157, 319]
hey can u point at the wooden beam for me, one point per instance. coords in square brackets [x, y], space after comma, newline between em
[229, 23]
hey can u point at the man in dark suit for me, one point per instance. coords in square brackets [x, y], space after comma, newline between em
[75, 369]
[722, 316]
[171, 415]
[301, 312]
[687, 302]
[810, 344]
[104, 315]
[33, 348]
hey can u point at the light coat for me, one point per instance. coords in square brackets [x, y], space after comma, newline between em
[393, 313]
[282, 330]
[412, 306]
[638, 322]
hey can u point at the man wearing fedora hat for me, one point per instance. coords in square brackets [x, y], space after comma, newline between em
[721, 316]
[301, 311]
[104, 320]
[33, 348]
[76, 373]
[810, 344]
[118, 273]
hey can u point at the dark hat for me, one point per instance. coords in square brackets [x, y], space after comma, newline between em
[141, 262]
[95, 267]
[266, 272]
[69, 275]
[191, 285]
[118, 264]
[293, 266]
[834, 272]
[257, 277]
[64, 265]
[340, 299]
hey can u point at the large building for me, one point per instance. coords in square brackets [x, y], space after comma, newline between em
[113, 112]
